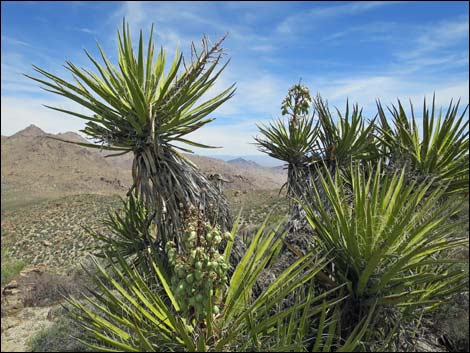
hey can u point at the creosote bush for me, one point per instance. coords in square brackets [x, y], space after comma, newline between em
[60, 337]
[10, 267]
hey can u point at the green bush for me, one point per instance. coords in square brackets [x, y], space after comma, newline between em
[60, 337]
[10, 267]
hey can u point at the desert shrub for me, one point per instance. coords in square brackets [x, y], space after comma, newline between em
[451, 323]
[60, 337]
[10, 267]
[49, 288]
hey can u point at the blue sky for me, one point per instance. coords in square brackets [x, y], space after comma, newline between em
[359, 51]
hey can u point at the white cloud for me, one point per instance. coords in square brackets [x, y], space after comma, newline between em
[430, 50]
[19, 61]
[18, 113]
[12, 75]
[133, 11]
[87, 30]
[236, 139]
[257, 93]
[14, 41]
[264, 48]
[435, 47]
[366, 31]
[437, 36]
[185, 22]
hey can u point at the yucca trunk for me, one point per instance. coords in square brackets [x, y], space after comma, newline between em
[297, 177]
[167, 182]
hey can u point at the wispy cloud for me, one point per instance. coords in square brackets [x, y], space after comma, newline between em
[236, 136]
[235, 139]
[15, 41]
[435, 47]
[367, 31]
[365, 90]
[264, 48]
[438, 36]
[304, 20]
[16, 63]
[87, 30]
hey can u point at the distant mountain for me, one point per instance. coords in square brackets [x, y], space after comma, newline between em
[243, 163]
[31, 131]
[32, 163]
[282, 169]
[246, 165]
[241, 178]
[261, 159]
[71, 136]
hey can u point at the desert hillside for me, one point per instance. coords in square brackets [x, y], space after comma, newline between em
[35, 165]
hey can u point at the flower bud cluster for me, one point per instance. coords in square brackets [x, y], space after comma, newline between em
[198, 268]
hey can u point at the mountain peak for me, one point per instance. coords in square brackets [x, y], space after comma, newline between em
[71, 136]
[242, 162]
[238, 160]
[31, 131]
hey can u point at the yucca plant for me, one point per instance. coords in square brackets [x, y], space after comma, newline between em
[438, 150]
[349, 139]
[392, 241]
[129, 312]
[136, 108]
[128, 231]
[338, 144]
[294, 143]
[305, 144]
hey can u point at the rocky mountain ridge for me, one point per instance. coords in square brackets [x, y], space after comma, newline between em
[33, 163]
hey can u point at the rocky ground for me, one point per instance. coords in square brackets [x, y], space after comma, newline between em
[23, 318]
[52, 232]
[48, 236]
